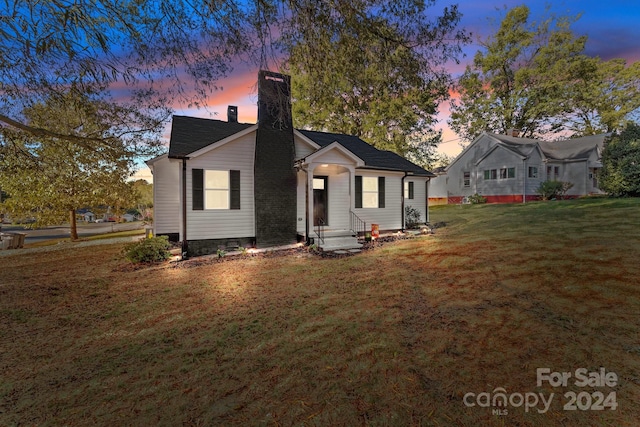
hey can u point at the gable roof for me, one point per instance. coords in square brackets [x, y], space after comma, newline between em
[191, 134]
[567, 149]
[373, 158]
[573, 149]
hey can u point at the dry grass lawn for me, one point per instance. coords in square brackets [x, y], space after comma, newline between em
[394, 336]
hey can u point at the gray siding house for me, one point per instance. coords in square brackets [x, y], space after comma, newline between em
[508, 169]
[228, 184]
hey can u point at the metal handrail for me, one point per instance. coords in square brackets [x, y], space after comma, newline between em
[357, 224]
[319, 230]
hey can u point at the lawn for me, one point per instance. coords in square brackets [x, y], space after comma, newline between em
[412, 332]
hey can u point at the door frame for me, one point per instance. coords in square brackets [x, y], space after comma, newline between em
[326, 199]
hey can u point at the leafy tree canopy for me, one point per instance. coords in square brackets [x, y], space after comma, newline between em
[49, 178]
[535, 77]
[85, 84]
[374, 69]
[620, 174]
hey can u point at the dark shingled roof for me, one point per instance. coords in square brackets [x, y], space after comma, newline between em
[190, 134]
[373, 158]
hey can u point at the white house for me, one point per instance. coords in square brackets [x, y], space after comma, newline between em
[508, 169]
[228, 184]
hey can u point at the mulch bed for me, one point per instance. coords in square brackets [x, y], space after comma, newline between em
[303, 251]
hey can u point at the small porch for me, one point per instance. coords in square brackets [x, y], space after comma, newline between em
[326, 181]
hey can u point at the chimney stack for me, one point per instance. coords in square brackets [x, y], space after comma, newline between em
[275, 179]
[232, 114]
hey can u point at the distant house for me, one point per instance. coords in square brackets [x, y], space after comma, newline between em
[85, 215]
[227, 184]
[508, 169]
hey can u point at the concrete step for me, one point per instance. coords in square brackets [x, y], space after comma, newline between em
[337, 233]
[337, 241]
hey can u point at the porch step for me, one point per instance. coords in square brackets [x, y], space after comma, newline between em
[336, 240]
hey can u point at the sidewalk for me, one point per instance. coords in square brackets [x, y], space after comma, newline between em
[68, 245]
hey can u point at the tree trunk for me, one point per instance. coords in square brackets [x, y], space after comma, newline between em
[73, 228]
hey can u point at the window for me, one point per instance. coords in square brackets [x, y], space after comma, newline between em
[318, 183]
[408, 189]
[466, 179]
[505, 173]
[215, 189]
[533, 172]
[370, 192]
[491, 174]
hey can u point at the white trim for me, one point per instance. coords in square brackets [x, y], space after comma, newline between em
[334, 146]
[494, 148]
[224, 141]
[464, 151]
[150, 162]
[305, 139]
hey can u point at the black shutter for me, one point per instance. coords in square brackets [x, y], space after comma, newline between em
[411, 189]
[381, 191]
[197, 187]
[234, 184]
[358, 203]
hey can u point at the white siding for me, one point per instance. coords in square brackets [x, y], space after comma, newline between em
[303, 149]
[301, 199]
[166, 196]
[389, 217]
[339, 202]
[220, 224]
[419, 200]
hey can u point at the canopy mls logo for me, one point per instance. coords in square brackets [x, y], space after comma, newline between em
[593, 400]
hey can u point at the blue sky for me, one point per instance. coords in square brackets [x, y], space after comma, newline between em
[612, 27]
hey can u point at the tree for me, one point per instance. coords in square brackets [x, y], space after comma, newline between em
[602, 99]
[50, 178]
[134, 58]
[620, 174]
[129, 54]
[373, 69]
[536, 78]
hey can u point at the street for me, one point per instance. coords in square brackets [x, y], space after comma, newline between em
[62, 231]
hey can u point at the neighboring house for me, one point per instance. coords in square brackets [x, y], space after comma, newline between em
[85, 215]
[438, 188]
[508, 169]
[228, 184]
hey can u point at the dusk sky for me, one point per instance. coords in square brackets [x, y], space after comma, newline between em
[612, 27]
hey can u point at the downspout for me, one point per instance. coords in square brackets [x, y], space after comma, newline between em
[426, 204]
[402, 200]
[300, 167]
[524, 180]
[185, 245]
[306, 204]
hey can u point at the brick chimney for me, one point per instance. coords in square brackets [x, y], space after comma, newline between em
[232, 114]
[275, 177]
